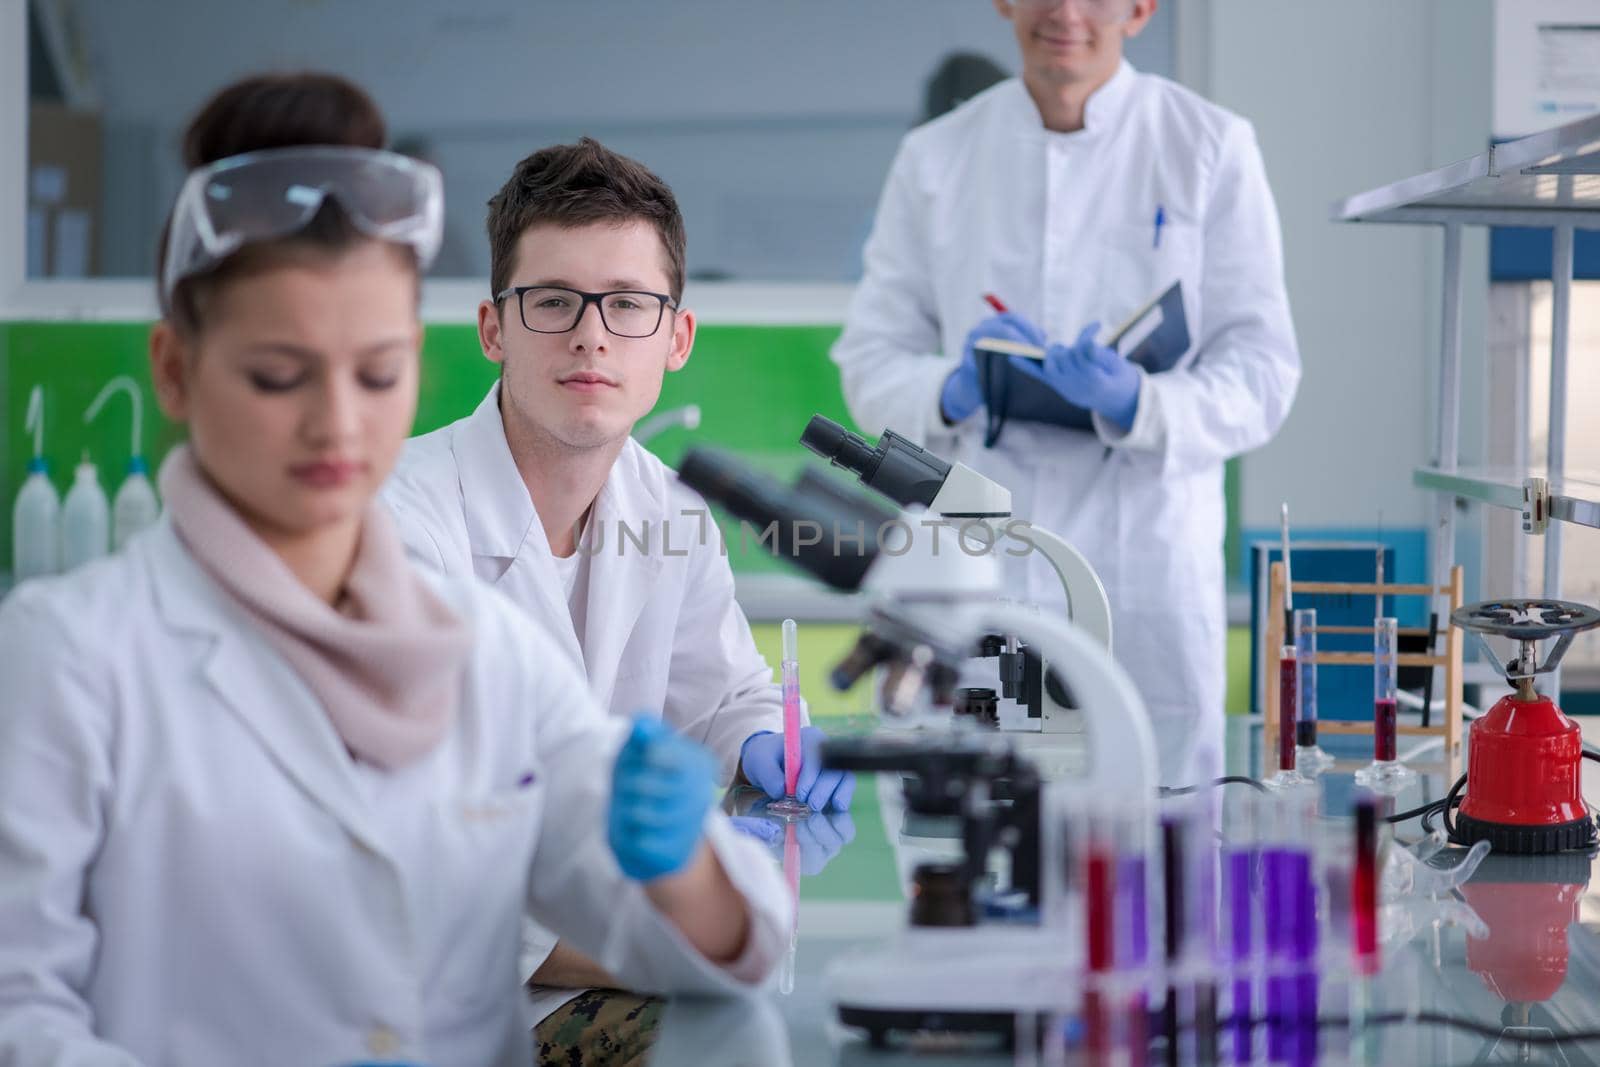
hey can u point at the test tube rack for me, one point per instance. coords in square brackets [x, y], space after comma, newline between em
[1448, 660]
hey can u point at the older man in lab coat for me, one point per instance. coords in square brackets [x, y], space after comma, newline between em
[1075, 193]
[542, 491]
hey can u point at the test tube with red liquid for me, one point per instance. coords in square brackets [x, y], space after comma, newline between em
[1099, 874]
[1385, 773]
[1288, 692]
[1364, 889]
[1115, 873]
[1364, 1046]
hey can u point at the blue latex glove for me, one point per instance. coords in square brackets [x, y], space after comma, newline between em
[821, 837]
[963, 392]
[1089, 375]
[660, 791]
[767, 831]
[761, 759]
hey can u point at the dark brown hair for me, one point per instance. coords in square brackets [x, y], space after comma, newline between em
[254, 114]
[578, 185]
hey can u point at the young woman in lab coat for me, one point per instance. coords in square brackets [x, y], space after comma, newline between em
[543, 492]
[269, 793]
[1075, 193]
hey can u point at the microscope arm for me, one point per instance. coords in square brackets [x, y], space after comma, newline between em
[1087, 604]
[1122, 750]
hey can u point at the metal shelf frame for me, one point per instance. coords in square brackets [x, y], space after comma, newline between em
[1549, 180]
[1576, 499]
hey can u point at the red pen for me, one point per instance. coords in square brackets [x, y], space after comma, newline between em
[994, 302]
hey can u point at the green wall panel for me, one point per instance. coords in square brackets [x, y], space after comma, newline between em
[72, 361]
[756, 387]
[454, 376]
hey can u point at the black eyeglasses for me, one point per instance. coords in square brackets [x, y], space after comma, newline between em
[623, 312]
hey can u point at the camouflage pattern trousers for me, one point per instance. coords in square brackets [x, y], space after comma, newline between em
[599, 1028]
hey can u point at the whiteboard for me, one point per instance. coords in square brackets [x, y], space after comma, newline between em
[1546, 64]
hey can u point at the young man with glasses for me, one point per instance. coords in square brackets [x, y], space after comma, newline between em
[1072, 195]
[542, 491]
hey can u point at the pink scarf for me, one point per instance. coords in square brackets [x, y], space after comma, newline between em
[387, 671]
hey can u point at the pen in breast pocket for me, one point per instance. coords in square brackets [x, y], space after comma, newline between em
[996, 303]
[1161, 220]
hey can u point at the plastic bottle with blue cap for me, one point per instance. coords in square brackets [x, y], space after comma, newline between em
[36, 517]
[85, 517]
[135, 506]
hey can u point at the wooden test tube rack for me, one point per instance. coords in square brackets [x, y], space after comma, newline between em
[1449, 659]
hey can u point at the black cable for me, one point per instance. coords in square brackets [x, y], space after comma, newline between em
[1432, 805]
[1452, 800]
[1473, 1026]
[1400, 1018]
[1441, 807]
[1227, 779]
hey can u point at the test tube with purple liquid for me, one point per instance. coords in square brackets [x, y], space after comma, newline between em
[1290, 935]
[1240, 943]
[1189, 1015]
[1133, 921]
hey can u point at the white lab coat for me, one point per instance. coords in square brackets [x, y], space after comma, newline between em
[194, 872]
[1062, 228]
[663, 634]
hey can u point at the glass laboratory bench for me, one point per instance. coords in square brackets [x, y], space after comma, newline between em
[1504, 970]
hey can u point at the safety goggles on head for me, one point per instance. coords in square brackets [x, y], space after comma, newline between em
[1102, 12]
[275, 193]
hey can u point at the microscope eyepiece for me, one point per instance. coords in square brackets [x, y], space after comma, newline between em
[842, 448]
[895, 467]
[824, 436]
[822, 528]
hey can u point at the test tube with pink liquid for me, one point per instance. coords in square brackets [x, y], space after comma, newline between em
[790, 805]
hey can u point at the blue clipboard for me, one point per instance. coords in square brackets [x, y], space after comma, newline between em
[1155, 337]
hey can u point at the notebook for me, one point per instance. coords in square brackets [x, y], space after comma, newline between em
[1155, 336]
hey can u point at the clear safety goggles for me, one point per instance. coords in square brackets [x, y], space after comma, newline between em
[275, 193]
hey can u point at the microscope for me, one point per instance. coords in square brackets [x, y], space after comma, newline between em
[977, 950]
[1032, 700]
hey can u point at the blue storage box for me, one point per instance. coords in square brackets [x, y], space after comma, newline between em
[1342, 692]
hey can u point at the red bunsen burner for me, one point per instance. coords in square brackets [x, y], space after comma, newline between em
[1523, 757]
[1523, 787]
